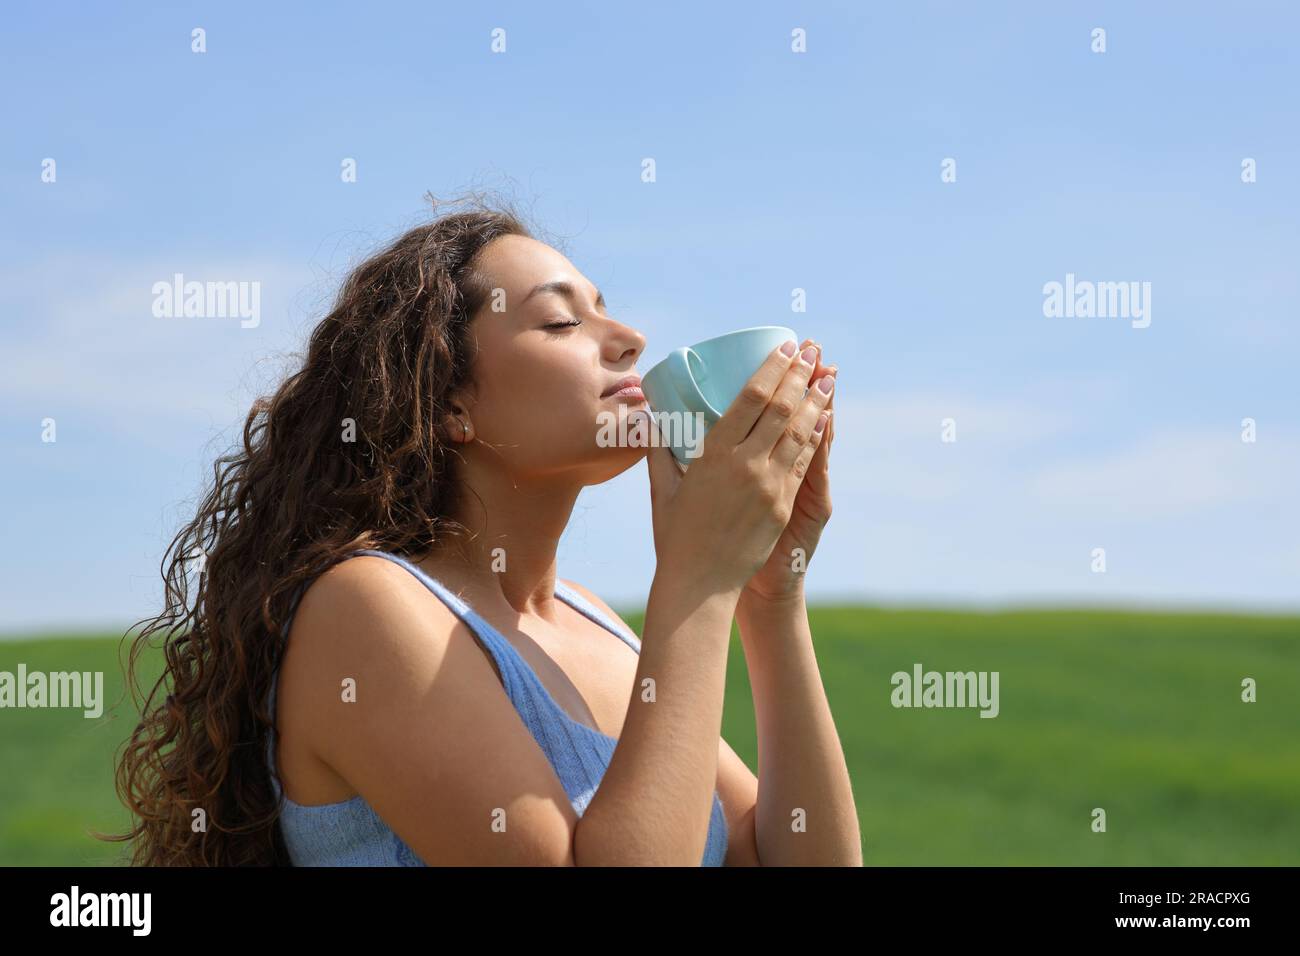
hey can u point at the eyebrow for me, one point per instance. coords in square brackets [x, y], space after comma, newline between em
[561, 287]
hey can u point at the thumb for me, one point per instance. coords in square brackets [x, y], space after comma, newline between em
[660, 464]
[664, 472]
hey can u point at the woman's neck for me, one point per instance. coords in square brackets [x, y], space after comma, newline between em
[493, 573]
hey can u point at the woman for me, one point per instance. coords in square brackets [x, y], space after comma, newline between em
[376, 581]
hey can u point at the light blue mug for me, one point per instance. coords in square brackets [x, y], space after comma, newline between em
[691, 389]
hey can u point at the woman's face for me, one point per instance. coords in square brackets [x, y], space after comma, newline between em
[543, 366]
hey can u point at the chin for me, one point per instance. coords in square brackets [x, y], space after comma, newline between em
[613, 461]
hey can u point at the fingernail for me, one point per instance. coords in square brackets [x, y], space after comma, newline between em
[826, 383]
[809, 355]
[821, 423]
[788, 349]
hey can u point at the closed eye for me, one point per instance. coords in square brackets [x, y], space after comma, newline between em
[562, 325]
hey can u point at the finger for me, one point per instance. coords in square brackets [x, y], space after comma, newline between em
[830, 427]
[798, 433]
[783, 411]
[821, 369]
[819, 466]
[662, 467]
[799, 467]
[818, 478]
[739, 418]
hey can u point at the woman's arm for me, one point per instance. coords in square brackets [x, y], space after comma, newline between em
[713, 529]
[736, 785]
[806, 815]
[653, 804]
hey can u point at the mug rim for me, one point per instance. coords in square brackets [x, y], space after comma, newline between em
[752, 328]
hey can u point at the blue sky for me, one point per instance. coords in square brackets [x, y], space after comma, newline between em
[775, 170]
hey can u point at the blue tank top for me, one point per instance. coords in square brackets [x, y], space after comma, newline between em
[350, 833]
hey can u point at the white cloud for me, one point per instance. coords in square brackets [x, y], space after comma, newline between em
[1178, 472]
[890, 446]
[88, 341]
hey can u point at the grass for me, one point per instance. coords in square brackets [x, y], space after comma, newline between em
[1136, 713]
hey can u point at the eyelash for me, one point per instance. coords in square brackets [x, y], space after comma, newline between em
[562, 325]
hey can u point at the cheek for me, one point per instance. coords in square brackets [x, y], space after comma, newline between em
[536, 396]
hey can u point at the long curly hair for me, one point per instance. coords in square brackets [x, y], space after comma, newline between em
[348, 453]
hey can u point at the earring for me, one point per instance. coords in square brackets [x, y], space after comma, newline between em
[464, 431]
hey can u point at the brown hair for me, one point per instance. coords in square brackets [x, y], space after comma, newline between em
[293, 500]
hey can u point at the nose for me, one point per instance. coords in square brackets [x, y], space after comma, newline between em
[622, 340]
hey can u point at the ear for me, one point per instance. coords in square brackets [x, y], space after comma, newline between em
[457, 426]
[456, 429]
[459, 403]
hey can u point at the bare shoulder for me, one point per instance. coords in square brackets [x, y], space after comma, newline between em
[365, 588]
[371, 613]
[388, 688]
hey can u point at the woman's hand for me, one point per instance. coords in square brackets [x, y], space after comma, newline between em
[781, 577]
[716, 526]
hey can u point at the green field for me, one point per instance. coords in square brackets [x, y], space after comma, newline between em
[1137, 713]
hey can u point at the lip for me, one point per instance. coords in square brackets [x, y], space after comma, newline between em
[629, 386]
[632, 393]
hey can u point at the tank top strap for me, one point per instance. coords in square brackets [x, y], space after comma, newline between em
[521, 683]
[511, 665]
[578, 602]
